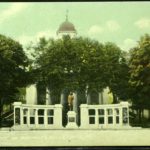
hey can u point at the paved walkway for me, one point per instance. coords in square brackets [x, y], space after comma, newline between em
[76, 137]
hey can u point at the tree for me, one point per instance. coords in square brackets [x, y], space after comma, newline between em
[75, 63]
[13, 74]
[140, 73]
[69, 63]
[117, 72]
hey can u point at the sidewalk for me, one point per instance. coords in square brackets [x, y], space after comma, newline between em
[76, 137]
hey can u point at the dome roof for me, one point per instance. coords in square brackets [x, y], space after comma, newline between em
[66, 27]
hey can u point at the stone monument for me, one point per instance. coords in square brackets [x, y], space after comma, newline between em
[71, 114]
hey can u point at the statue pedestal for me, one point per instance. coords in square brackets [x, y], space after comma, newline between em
[71, 120]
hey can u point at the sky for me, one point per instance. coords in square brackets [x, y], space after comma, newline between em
[120, 22]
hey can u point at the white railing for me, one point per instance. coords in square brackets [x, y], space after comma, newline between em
[91, 116]
[37, 116]
[105, 116]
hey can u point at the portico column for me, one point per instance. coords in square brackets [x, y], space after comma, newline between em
[62, 98]
[88, 98]
[48, 97]
[31, 94]
[100, 94]
[75, 102]
[88, 95]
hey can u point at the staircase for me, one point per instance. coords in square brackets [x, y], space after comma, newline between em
[7, 119]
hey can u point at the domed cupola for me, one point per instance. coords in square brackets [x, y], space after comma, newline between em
[66, 28]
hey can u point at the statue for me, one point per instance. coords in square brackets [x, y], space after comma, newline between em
[70, 101]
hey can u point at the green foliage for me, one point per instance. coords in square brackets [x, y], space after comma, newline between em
[140, 71]
[69, 62]
[117, 73]
[13, 74]
[75, 63]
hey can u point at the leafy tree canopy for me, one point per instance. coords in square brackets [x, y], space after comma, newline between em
[13, 74]
[140, 70]
[78, 62]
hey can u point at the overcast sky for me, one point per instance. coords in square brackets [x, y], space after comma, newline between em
[119, 22]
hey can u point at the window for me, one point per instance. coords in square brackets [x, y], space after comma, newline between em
[101, 111]
[109, 111]
[50, 116]
[32, 120]
[41, 120]
[110, 120]
[32, 116]
[24, 120]
[41, 116]
[41, 112]
[110, 116]
[25, 112]
[50, 120]
[101, 116]
[117, 119]
[50, 112]
[91, 111]
[91, 120]
[91, 116]
[117, 115]
[101, 120]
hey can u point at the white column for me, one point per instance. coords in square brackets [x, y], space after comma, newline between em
[120, 116]
[48, 97]
[105, 95]
[88, 98]
[31, 94]
[105, 117]
[45, 117]
[88, 95]
[36, 117]
[28, 117]
[96, 118]
[62, 98]
[75, 101]
[114, 117]
[84, 116]
[58, 115]
[100, 97]
[21, 116]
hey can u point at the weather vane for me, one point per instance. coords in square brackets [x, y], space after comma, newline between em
[67, 11]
